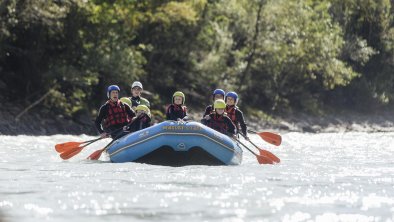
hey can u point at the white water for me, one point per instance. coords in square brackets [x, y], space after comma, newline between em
[322, 177]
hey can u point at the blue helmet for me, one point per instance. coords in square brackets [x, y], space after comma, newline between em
[233, 95]
[218, 91]
[112, 88]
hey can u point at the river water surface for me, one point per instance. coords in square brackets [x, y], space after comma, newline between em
[322, 177]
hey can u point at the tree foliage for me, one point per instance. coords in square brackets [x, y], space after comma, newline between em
[278, 55]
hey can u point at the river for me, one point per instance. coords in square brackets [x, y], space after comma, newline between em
[321, 177]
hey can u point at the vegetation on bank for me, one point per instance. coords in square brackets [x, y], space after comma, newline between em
[279, 55]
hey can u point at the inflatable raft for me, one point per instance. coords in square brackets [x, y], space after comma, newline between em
[174, 143]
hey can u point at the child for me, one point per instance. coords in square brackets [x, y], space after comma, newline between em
[235, 114]
[136, 98]
[126, 100]
[219, 121]
[142, 120]
[217, 94]
[115, 114]
[177, 111]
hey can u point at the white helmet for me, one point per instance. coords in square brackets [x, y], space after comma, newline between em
[136, 83]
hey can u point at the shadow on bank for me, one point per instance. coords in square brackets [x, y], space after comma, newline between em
[43, 122]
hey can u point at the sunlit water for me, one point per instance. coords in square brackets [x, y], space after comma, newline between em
[322, 177]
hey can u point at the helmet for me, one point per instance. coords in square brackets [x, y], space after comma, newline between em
[179, 93]
[143, 108]
[136, 84]
[233, 95]
[126, 100]
[112, 88]
[218, 91]
[219, 104]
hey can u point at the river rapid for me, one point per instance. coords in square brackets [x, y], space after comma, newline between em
[321, 177]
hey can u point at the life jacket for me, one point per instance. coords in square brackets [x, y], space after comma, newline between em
[180, 111]
[231, 113]
[218, 123]
[135, 101]
[116, 114]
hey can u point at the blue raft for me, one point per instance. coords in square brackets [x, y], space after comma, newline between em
[172, 143]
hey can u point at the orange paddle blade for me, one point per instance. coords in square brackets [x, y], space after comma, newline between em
[272, 138]
[264, 160]
[269, 155]
[95, 155]
[70, 153]
[62, 147]
[266, 153]
[260, 158]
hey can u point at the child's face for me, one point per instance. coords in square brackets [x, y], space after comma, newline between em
[136, 91]
[220, 111]
[114, 95]
[218, 96]
[230, 101]
[140, 112]
[178, 100]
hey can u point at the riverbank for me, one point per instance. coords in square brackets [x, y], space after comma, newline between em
[346, 121]
[42, 121]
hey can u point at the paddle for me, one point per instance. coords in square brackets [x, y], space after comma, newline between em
[265, 152]
[62, 147]
[96, 154]
[260, 158]
[71, 151]
[272, 138]
[74, 150]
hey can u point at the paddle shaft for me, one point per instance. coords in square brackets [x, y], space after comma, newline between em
[92, 141]
[62, 147]
[254, 144]
[252, 131]
[267, 153]
[246, 147]
[109, 144]
[96, 154]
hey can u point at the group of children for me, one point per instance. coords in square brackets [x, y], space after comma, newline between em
[224, 115]
[120, 116]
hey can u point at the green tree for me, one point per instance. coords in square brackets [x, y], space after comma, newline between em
[297, 56]
[369, 33]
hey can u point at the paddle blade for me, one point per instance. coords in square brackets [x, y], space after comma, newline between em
[264, 160]
[95, 155]
[62, 147]
[272, 138]
[70, 153]
[269, 155]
